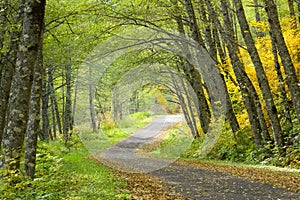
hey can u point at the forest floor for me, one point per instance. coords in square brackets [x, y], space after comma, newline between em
[185, 179]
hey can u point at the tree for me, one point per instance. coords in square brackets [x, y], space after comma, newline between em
[260, 73]
[3, 28]
[33, 126]
[191, 73]
[8, 61]
[19, 101]
[249, 94]
[91, 100]
[212, 42]
[291, 78]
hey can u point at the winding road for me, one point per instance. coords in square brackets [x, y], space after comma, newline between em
[190, 182]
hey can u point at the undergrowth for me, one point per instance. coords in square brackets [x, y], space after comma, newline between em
[64, 174]
[237, 148]
[69, 173]
[240, 148]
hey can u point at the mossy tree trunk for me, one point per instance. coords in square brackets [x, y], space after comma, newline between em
[19, 101]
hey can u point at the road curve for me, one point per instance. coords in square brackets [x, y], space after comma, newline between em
[191, 182]
[122, 156]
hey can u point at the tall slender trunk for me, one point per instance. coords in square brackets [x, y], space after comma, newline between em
[193, 24]
[260, 74]
[249, 96]
[63, 99]
[8, 62]
[54, 124]
[187, 101]
[91, 101]
[284, 97]
[207, 29]
[75, 94]
[212, 42]
[19, 100]
[291, 78]
[33, 126]
[53, 99]
[193, 76]
[184, 102]
[257, 17]
[68, 107]
[230, 115]
[3, 29]
[45, 106]
[229, 25]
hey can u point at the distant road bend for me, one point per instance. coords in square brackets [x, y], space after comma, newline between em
[190, 182]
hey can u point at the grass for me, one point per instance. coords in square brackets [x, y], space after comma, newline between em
[111, 133]
[175, 142]
[64, 175]
[93, 180]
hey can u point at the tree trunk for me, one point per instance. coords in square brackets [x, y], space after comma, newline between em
[19, 100]
[33, 126]
[232, 44]
[212, 40]
[243, 80]
[291, 78]
[260, 74]
[208, 33]
[230, 115]
[75, 94]
[63, 99]
[45, 107]
[53, 99]
[193, 76]
[257, 17]
[284, 97]
[92, 106]
[188, 104]
[54, 125]
[3, 29]
[68, 106]
[256, 10]
[292, 13]
[185, 103]
[8, 62]
[193, 24]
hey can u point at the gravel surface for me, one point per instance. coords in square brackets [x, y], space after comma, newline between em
[201, 184]
[188, 181]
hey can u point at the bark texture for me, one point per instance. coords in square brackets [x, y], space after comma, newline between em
[8, 63]
[33, 126]
[260, 74]
[19, 100]
[291, 75]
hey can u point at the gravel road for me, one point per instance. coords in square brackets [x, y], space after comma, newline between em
[190, 182]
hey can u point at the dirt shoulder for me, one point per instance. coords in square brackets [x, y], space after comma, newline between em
[196, 180]
[278, 178]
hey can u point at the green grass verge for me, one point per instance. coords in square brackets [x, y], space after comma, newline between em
[111, 132]
[175, 142]
[64, 175]
[227, 150]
